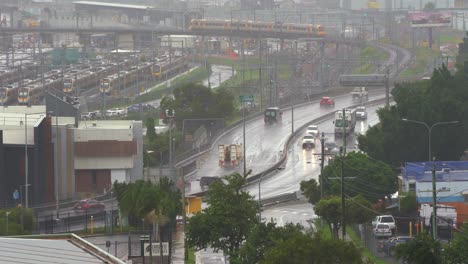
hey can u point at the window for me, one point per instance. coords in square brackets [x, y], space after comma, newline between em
[412, 187]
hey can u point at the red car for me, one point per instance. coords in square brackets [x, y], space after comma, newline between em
[327, 102]
[89, 205]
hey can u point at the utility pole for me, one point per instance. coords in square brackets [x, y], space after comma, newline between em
[170, 114]
[387, 88]
[434, 203]
[322, 163]
[343, 203]
[344, 131]
[243, 136]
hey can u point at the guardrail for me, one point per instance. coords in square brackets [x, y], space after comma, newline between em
[189, 156]
[292, 137]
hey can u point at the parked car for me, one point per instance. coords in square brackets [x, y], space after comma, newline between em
[313, 130]
[88, 115]
[387, 246]
[119, 111]
[327, 102]
[384, 219]
[308, 141]
[89, 206]
[382, 230]
[134, 108]
[361, 112]
[111, 112]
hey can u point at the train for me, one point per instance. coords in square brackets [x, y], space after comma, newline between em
[306, 30]
[93, 76]
[8, 94]
[168, 67]
[33, 93]
[162, 68]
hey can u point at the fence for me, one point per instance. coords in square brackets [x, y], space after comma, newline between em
[73, 222]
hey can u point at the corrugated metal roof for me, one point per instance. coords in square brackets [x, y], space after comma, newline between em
[104, 4]
[16, 250]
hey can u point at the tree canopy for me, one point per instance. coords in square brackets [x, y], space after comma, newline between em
[306, 249]
[371, 178]
[441, 99]
[197, 101]
[229, 217]
[422, 249]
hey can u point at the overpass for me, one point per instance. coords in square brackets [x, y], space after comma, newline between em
[161, 31]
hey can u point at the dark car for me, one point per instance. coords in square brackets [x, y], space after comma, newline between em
[389, 245]
[89, 206]
[327, 102]
[272, 115]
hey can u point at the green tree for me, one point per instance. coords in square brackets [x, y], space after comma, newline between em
[456, 252]
[150, 130]
[359, 210]
[430, 6]
[306, 249]
[262, 237]
[373, 179]
[311, 190]
[225, 224]
[422, 249]
[441, 99]
[197, 101]
[330, 210]
[409, 204]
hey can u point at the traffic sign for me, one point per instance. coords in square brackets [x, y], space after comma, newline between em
[246, 98]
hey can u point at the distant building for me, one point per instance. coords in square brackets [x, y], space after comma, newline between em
[451, 184]
[331, 4]
[257, 4]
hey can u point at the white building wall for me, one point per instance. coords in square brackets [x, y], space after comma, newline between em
[118, 175]
[83, 135]
[89, 163]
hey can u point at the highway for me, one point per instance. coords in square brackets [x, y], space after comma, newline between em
[301, 165]
[264, 144]
[304, 164]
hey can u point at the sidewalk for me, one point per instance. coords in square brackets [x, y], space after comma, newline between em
[178, 253]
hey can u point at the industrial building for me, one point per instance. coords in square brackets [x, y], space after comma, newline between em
[64, 159]
[451, 184]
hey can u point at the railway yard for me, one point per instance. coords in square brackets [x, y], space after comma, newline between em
[107, 76]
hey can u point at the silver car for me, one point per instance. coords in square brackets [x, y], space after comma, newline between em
[361, 113]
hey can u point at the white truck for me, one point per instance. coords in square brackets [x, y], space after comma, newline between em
[230, 155]
[446, 215]
[345, 124]
[360, 93]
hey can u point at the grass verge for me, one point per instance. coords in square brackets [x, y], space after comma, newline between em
[158, 91]
[423, 58]
[191, 256]
[370, 57]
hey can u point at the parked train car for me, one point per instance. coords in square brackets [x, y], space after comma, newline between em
[164, 69]
[34, 93]
[308, 30]
[8, 94]
[113, 83]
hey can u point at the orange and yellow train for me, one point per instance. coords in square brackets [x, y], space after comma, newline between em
[307, 30]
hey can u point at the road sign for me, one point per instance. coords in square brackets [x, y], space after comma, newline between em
[246, 98]
[156, 249]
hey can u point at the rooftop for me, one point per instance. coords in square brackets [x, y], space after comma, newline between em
[64, 248]
[104, 4]
[445, 171]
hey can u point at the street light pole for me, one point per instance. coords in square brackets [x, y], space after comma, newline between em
[434, 191]
[26, 162]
